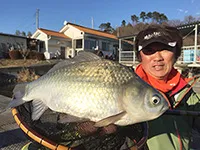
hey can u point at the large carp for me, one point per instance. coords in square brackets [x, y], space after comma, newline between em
[94, 89]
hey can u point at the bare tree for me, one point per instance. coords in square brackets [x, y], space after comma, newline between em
[24, 53]
[175, 22]
[189, 19]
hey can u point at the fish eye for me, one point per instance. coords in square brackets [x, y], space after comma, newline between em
[155, 100]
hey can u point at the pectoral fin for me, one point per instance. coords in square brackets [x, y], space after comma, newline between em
[38, 109]
[109, 120]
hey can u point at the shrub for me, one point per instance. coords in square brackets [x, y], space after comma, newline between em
[26, 75]
[14, 54]
[32, 55]
[40, 56]
[36, 55]
[24, 53]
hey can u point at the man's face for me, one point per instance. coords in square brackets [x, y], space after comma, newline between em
[157, 59]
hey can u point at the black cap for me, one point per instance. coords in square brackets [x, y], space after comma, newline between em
[158, 33]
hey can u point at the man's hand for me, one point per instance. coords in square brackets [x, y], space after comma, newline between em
[88, 128]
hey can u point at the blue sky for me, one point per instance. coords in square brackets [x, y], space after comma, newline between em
[20, 14]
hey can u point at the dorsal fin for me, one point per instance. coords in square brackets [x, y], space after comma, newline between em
[80, 57]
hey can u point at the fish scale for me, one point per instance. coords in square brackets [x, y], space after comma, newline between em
[100, 72]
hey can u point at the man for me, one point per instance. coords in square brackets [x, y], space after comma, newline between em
[158, 48]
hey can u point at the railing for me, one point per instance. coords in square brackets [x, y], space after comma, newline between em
[127, 58]
[188, 55]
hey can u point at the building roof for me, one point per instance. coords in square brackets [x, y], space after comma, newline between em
[188, 28]
[94, 32]
[54, 33]
[12, 35]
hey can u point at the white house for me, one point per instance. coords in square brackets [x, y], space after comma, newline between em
[73, 38]
[52, 42]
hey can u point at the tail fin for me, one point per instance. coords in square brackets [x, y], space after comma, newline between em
[20, 87]
[19, 92]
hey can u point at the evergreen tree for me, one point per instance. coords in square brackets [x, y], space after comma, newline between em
[123, 23]
[17, 32]
[143, 16]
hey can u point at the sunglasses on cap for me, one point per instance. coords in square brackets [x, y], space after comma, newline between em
[151, 50]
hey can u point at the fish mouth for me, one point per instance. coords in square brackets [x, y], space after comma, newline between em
[164, 109]
[166, 104]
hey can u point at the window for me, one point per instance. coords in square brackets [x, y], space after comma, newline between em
[105, 46]
[90, 44]
[61, 52]
[41, 44]
[79, 43]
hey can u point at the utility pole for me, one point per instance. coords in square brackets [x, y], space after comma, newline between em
[195, 44]
[92, 23]
[37, 19]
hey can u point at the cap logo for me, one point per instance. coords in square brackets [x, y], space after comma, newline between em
[152, 35]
